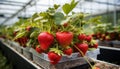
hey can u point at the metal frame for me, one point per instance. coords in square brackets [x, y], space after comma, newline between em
[23, 5]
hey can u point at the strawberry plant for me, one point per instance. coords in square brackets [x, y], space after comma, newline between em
[56, 33]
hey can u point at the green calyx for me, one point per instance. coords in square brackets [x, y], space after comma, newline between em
[57, 51]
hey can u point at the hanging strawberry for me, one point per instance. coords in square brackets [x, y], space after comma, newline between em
[55, 55]
[68, 51]
[81, 36]
[88, 38]
[45, 39]
[64, 38]
[38, 49]
[83, 47]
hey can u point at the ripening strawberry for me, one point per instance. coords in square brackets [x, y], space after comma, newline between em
[28, 28]
[107, 38]
[64, 38]
[54, 57]
[45, 39]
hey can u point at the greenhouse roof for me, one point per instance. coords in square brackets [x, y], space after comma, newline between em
[11, 10]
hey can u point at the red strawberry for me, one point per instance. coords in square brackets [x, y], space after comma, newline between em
[112, 35]
[15, 33]
[103, 36]
[64, 38]
[65, 24]
[95, 45]
[68, 51]
[107, 38]
[88, 38]
[38, 49]
[53, 57]
[97, 68]
[28, 28]
[81, 36]
[83, 47]
[45, 39]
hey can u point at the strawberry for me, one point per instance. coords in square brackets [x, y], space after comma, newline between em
[95, 45]
[28, 28]
[97, 68]
[38, 49]
[83, 47]
[65, 24]
[64, 38]
[81, 36]
[98, 35]
[54, 57]
[107, 38]
[68, 51]
[103, 36]
[112, 35]
[15, 33]
[88, 38]
[45, 39]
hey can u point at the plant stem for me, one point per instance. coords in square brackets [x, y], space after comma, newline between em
[83, 56]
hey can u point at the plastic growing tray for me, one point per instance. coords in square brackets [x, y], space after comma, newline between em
[27, 53]
[65, 63]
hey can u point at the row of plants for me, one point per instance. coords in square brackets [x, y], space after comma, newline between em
[55, 33]
[106, 32]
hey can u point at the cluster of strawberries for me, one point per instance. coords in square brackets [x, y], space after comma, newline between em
[108, 36]
[64, 40]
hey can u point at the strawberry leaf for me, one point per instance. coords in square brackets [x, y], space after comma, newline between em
[67, 8]
[21, 34]
[56, 6]
[59, 17]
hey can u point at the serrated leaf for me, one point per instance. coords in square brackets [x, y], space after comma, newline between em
[67, 8]
[58, 16]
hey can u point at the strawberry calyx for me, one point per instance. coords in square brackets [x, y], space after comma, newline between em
[57, 51]
[93, 44]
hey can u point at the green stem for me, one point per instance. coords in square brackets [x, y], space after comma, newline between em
[83, 56]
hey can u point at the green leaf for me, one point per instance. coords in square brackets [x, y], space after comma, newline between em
[67, 8]
[29, 42]
[59, 17]
[21, 34]
[34, 34]
[91, 49]
[56, 6]
[95, 20]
